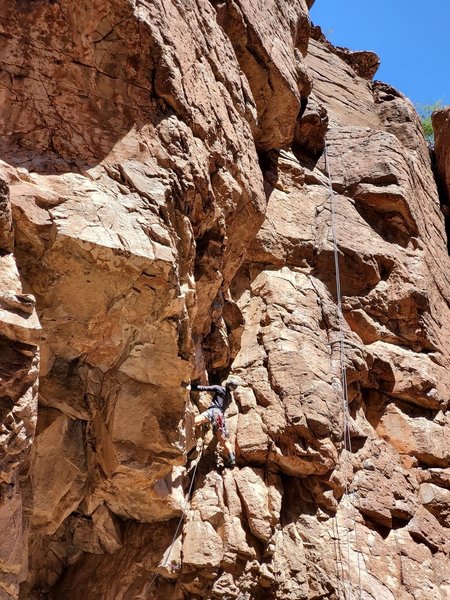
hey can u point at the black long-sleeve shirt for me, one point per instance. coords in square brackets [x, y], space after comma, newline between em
[221, 398]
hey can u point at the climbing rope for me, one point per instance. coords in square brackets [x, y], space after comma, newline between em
[344, 385]
[347, 443]
[180, 521]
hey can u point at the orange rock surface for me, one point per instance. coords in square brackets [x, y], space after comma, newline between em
[165, 218]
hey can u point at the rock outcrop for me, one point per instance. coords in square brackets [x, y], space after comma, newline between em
[441, 126]
[165, 217]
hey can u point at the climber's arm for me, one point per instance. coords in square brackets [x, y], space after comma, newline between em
[205, 388]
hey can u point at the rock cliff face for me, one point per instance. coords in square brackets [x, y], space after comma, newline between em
[165, 218]
[441, 126]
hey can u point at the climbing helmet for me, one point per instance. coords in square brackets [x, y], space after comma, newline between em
[232, 384]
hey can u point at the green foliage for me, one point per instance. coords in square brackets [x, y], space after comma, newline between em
[425, 111]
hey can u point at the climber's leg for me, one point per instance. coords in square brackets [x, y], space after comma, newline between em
[201, 419]
[222, 436]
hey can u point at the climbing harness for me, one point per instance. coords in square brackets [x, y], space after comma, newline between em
[180, 521]
[344, 388]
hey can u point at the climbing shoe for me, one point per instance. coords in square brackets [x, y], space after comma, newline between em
[231, 461]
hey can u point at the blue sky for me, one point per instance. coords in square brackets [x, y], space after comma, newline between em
[410, 36]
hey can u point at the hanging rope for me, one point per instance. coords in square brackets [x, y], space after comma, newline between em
[180, 521]
[344, 385]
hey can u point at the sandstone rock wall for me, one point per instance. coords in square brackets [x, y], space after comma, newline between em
[441, 126]
[165, 217]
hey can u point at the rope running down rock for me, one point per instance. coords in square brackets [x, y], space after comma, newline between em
[175, 535]
[344, 385]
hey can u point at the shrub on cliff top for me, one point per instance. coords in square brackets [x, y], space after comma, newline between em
[425, 111]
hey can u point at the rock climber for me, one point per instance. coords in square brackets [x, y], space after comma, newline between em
[214, 415]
